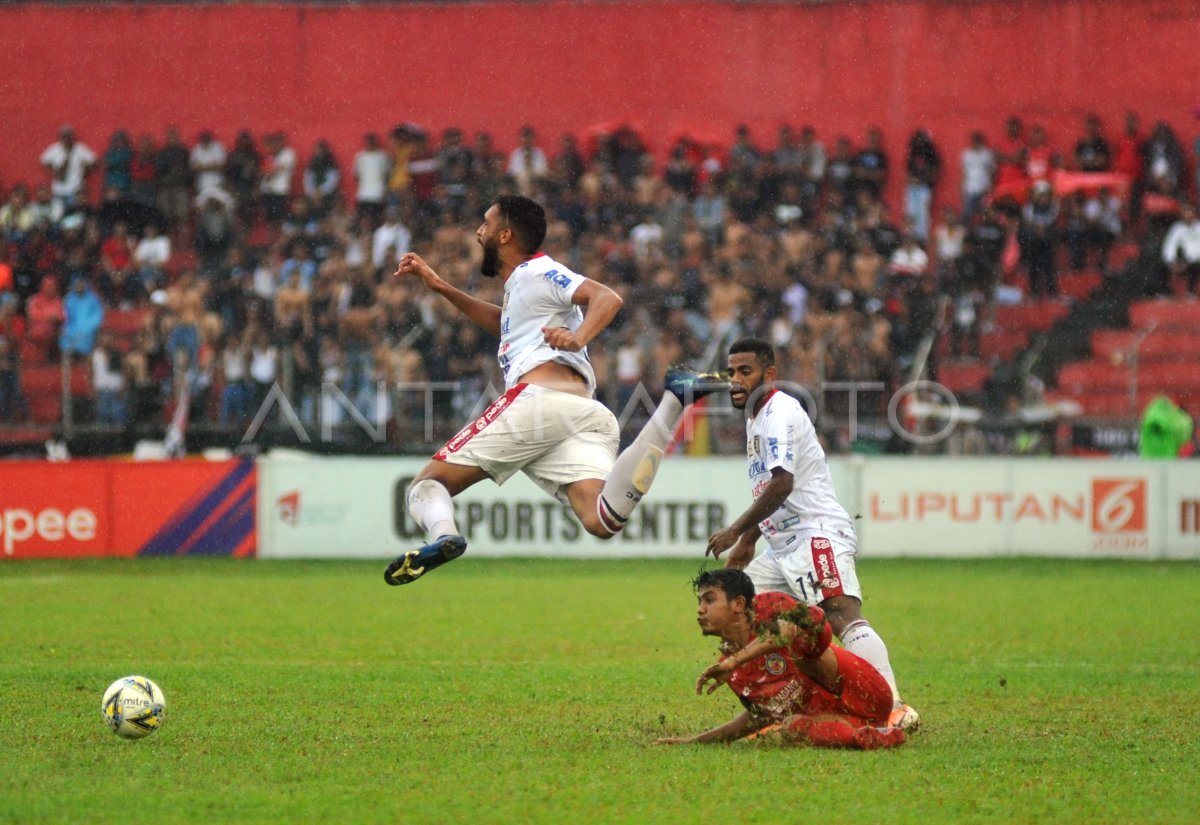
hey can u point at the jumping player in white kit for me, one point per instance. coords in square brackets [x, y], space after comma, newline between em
[547, 424]
[811, 540]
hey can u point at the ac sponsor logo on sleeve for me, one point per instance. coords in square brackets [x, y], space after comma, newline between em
[559, 279]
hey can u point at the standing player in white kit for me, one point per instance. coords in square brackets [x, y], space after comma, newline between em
[811, 539]
[547, 424]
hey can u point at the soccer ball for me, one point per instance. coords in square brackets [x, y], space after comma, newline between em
[133, 707]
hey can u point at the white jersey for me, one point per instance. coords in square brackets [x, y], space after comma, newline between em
[538, 294]
[781, 435]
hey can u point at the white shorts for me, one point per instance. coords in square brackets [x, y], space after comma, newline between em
[820, 567]
[555, 437]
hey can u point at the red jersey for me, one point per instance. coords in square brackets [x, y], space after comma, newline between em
[773, 687]
[1039, 162]
[1129, 156]
[1011, 168]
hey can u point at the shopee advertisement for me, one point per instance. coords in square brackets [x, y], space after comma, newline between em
[183, 508]
[49, 510]
[126, 508]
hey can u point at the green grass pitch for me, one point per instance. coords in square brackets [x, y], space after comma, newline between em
[530, 691]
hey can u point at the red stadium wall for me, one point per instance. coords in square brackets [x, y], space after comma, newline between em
[336, 72]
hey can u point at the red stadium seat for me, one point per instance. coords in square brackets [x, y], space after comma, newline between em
[1090, 376]
[47, 380]
[1115, 403]
[1169, 345]
[41, 380]
[1002, 344]
[1165, 315]
[124, 322]
[1168, 377]
[1034, 317]
[45, 409]
[1079, 285]
[963, 378]
[81, 379]
[1112, 344]
[1121, 254]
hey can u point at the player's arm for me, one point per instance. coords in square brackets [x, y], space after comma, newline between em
[771, 499]
[600, 305]
[484, 314]
[743, 551]
[731, 730]
[783, 633]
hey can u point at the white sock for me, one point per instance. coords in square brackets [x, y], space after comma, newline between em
[634, 469]
[430, 505]
[862, 640]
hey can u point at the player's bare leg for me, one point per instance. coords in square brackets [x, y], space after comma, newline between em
[429, 501]
[846, 618]
[584, 497]
[605, 513]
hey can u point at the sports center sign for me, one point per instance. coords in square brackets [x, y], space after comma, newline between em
[330, 507]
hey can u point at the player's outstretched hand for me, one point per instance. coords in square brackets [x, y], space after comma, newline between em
[718, 674]
[412, 264]
[741, 554]
[720, 541]
[561, 338]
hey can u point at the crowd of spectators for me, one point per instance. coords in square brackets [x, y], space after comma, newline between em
[247, 268]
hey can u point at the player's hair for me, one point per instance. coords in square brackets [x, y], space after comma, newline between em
[526, 219]
[732, 582]
[761, 349]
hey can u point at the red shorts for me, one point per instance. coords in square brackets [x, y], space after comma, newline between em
[866, 696]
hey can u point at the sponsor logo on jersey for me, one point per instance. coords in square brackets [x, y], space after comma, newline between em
[559, 279]
[827, 572]
[780, 705]
[773, 448]
[494, 411]
[489, 415]
[460, 439]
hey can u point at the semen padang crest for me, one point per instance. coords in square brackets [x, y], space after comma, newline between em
[775, 664]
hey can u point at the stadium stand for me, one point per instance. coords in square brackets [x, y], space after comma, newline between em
[707, 239]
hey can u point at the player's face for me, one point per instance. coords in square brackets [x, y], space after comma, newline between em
[488, 235]
[713, 611]
[746, 377]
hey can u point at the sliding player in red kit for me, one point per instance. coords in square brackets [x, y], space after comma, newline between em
[777, 659]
